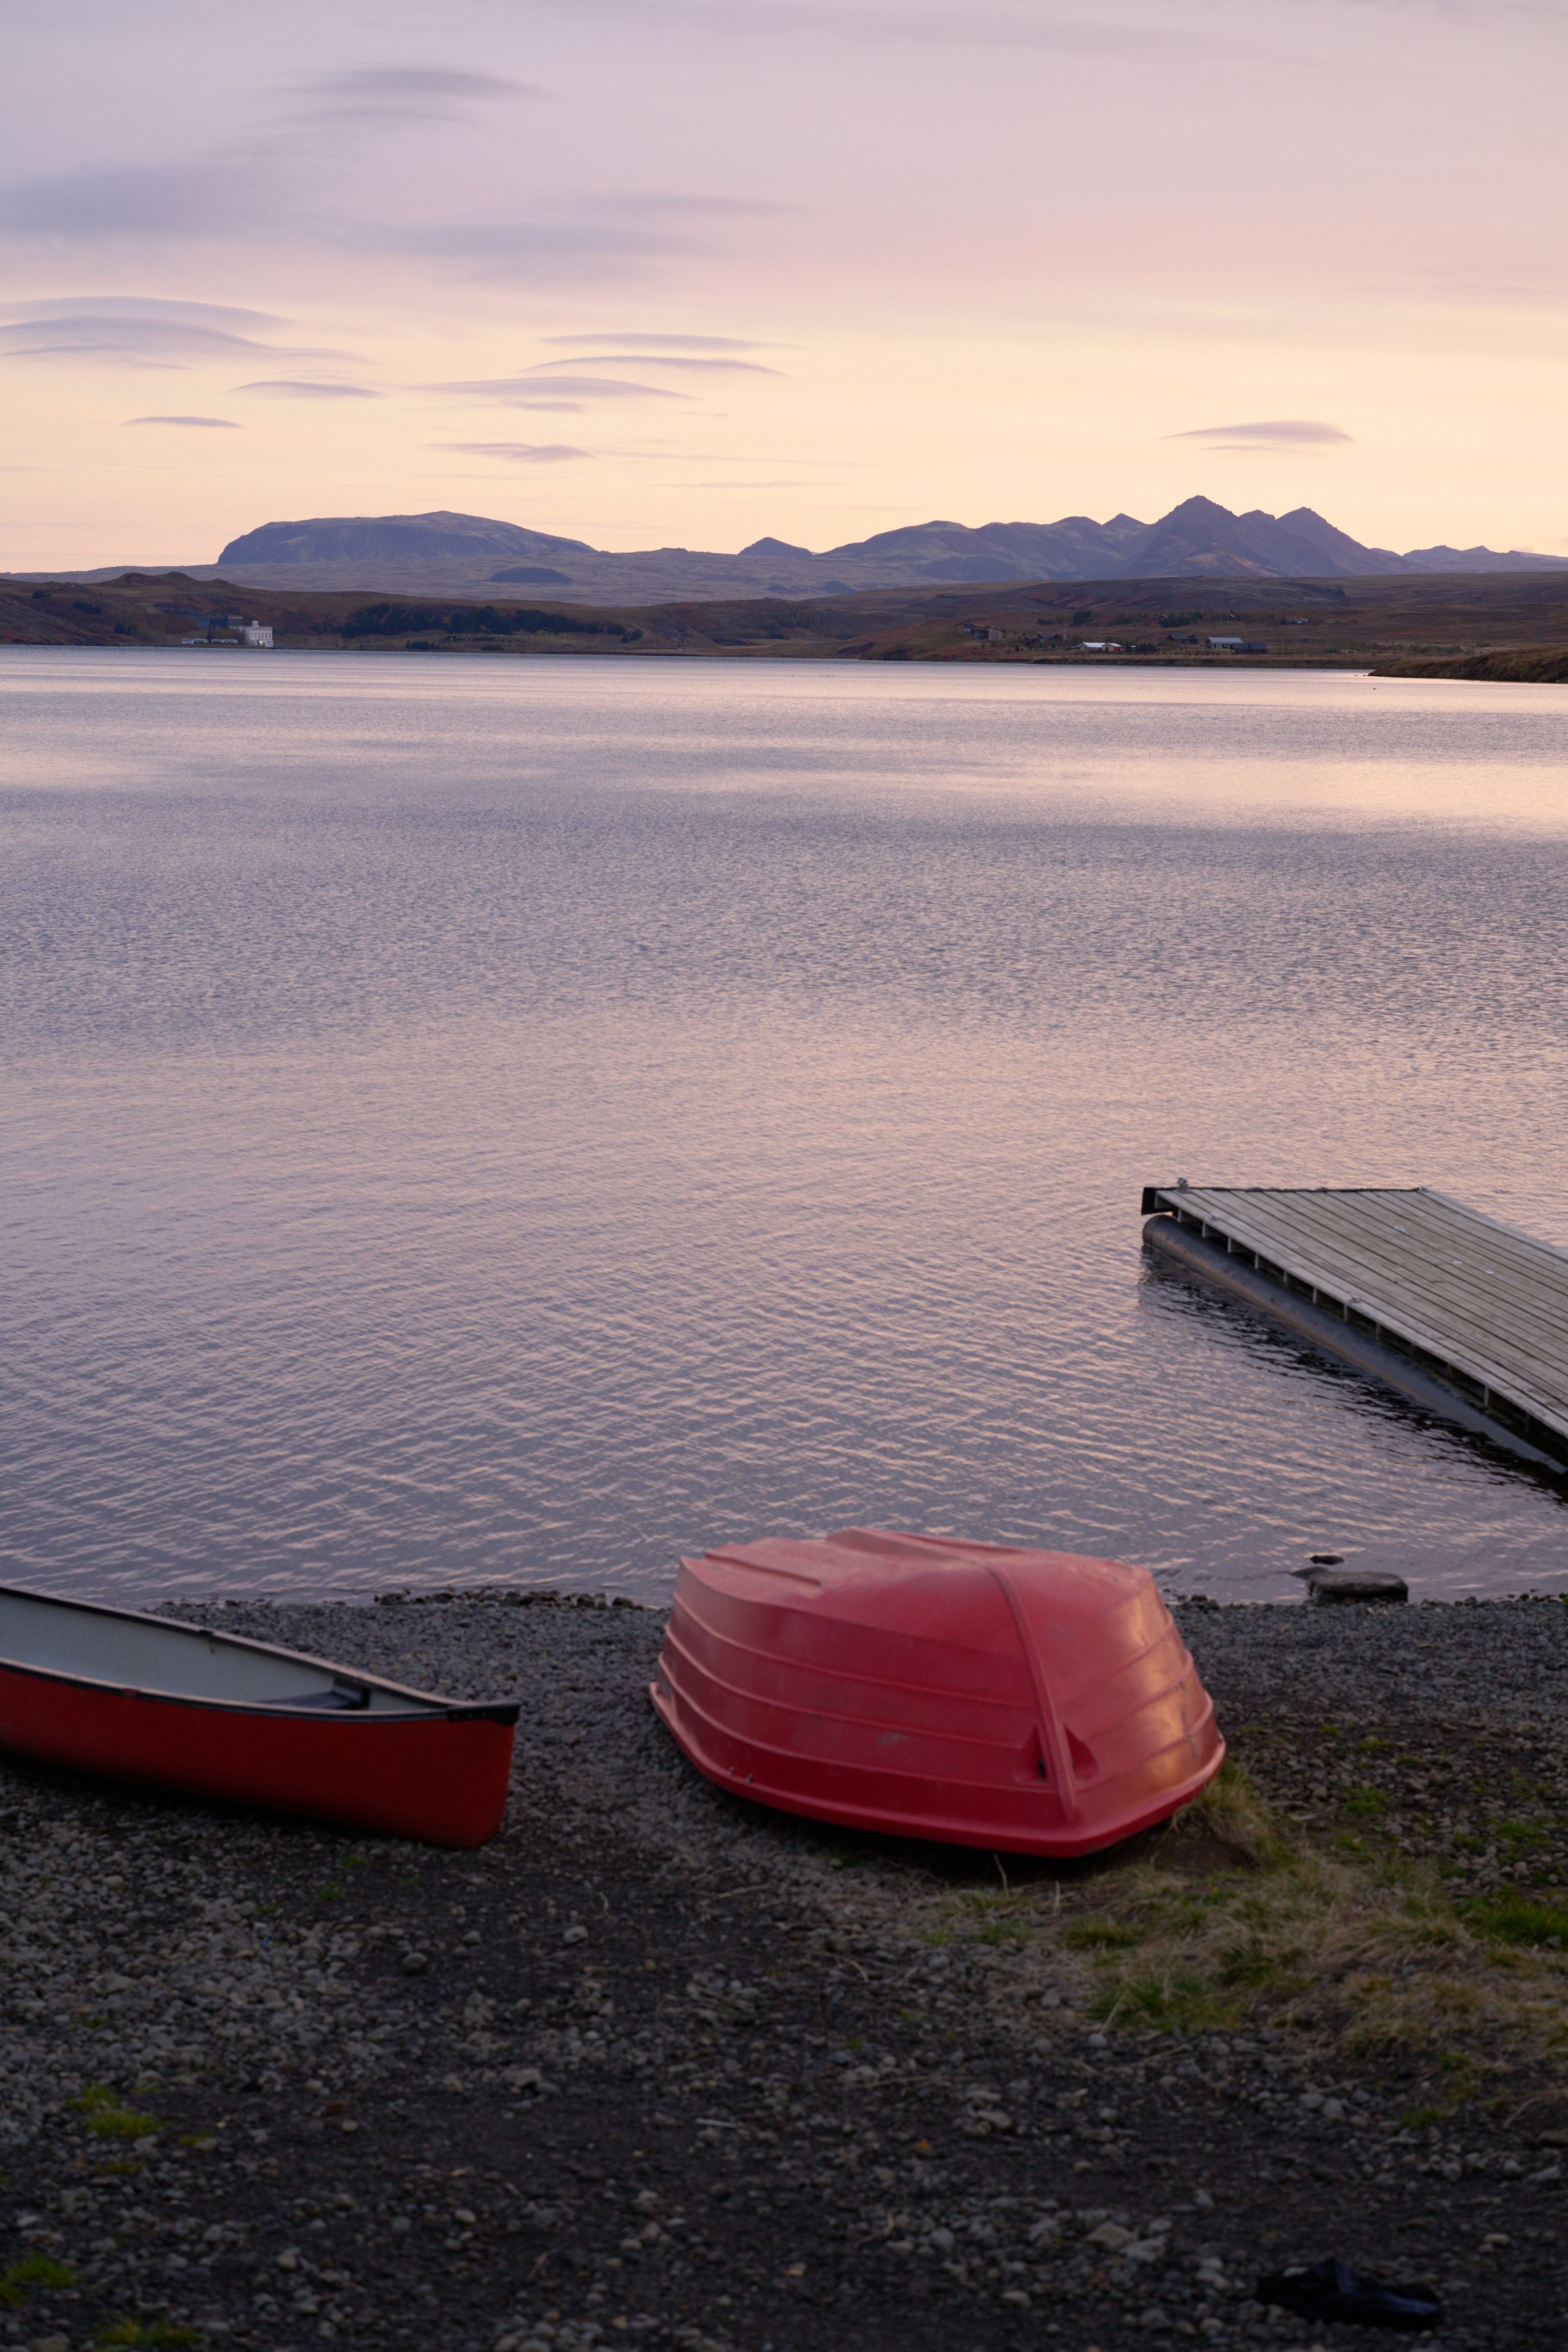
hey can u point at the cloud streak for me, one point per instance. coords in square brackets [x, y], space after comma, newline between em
[1273, 433]
[407, 93]
[640, 343]
[208, 424]
[284, 387]
[515, 453]
[139, 330]
[657, 359]
[529, 390]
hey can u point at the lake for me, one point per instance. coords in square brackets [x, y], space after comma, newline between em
[488, 1121]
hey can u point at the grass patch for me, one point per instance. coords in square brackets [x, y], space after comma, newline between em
[1231, 1809]
[1364, 1803]
[1100, 1934]
[1357, 1944]
[984, 1919]
[1172, 2000]
[1253, 1965]
[106, 2115]
[1518, 1919]
[998, 1919]
[33, 2274]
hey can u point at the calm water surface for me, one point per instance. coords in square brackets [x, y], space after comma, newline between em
[471, 1122]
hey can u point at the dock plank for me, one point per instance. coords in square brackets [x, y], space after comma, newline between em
[1482, 1299]
[1433, 1275]
[1419, 1293]
[1426, 1320]
[1414, 1296]
[1501, 1301]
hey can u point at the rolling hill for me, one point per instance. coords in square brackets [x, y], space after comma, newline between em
[1509, 627]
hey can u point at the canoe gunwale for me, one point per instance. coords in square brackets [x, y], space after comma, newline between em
[432, 1705]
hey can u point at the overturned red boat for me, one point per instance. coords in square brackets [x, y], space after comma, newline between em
[1034, 1702]
[135, 1698]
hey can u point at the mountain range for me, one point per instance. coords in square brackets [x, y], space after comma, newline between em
[473, 556]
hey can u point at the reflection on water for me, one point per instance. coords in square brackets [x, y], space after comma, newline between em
[483, 1121]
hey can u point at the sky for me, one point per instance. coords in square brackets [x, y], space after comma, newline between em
[684, 272]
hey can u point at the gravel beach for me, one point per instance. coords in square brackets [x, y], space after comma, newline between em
[657, 2067]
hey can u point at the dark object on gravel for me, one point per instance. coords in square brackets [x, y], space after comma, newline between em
[1331, 2291]
[1356, 1584]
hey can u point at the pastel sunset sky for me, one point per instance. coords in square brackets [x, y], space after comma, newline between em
[685, 271]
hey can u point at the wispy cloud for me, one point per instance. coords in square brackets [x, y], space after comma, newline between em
[647, 342]
[528, 391]
[407, 93]
[309, 183]
[1273, 433]
[146, 306]
[659, 358]
[287, 387]
[208, 424]
[515, 453]
[139, 330]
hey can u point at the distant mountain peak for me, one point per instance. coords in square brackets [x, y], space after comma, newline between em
[394, 538]
[456, 554]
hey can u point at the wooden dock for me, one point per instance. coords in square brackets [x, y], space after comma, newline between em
[1460, 1312]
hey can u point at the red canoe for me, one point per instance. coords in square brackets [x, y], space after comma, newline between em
[1029, 1701]
[144, 1698]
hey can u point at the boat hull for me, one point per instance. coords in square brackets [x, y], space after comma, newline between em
[342, 1748]
[1024, 1702]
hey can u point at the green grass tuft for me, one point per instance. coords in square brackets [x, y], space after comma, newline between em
[32, 2275]
[1517, 1919]
[1170, 2000]
[1098, 1935]
[107, 2116]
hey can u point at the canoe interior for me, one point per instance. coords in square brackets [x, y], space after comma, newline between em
[148, 1654]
